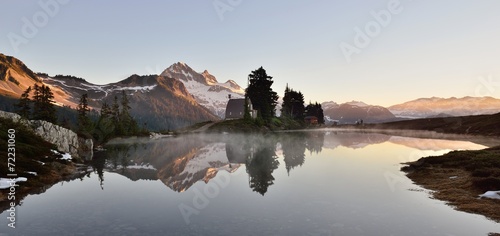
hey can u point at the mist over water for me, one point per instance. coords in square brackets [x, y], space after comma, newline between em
[329, 182]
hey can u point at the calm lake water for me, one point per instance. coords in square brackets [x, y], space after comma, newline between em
[298, 183]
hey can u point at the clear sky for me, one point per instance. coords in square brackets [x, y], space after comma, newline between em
[419, 48]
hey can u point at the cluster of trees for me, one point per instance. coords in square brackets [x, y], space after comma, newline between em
[293, 104]
[293, 107]
[41, 107]
[317, 111]
[264, 100]
[113, 121]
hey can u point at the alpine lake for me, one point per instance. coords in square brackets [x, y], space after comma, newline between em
[324, 182]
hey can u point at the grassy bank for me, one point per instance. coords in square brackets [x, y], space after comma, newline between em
[459, 177]
[243, 126]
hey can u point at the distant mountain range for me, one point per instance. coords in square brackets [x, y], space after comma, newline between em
[434, 107]
[180, 96]
[442, 107]
[351, 112]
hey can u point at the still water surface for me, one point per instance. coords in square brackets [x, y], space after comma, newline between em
[299, 183]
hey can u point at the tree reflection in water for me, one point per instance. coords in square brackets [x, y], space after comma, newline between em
[260, 168]
[294, 148]
[259, 156]
[315, 141]
[180, 162]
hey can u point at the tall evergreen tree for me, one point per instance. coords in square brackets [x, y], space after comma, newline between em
[37, 101]
[106, 111]
[128, 123]
[43, 108]
[24, 104]
[84, 123]
[293, 104]
[286, 105]
[115, 109]
[105, 127]
[263, 98]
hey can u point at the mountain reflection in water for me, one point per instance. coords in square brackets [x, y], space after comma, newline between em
[180, 162]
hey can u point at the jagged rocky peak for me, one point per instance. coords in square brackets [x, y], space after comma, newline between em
[233, 84]
[209, 78]
[182, 71]
[205, 87]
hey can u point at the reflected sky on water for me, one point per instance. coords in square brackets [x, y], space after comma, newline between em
[297, 183]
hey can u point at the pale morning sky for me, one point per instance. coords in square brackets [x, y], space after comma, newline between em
[381, 52]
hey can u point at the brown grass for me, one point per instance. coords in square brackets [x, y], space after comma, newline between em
[461, 192]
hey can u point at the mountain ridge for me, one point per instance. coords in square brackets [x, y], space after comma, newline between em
[157, 102]
[354, 111]
[453, 106]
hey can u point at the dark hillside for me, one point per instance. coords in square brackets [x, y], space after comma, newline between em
[487, 125]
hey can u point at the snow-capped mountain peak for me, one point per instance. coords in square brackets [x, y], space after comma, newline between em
[234, 87]
[205, 87]
[329, 105]
[209, 78]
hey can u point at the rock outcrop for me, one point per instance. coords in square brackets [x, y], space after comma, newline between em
[66, 140]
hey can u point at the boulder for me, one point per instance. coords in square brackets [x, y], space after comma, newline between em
[66, 140]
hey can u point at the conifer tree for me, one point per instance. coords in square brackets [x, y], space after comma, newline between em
[293, 104]
[24, 104]
[105, 127]
[127, 121]
[106, 111]
[115, 109]
[43, 107]
[263, 98]
[84, 123]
